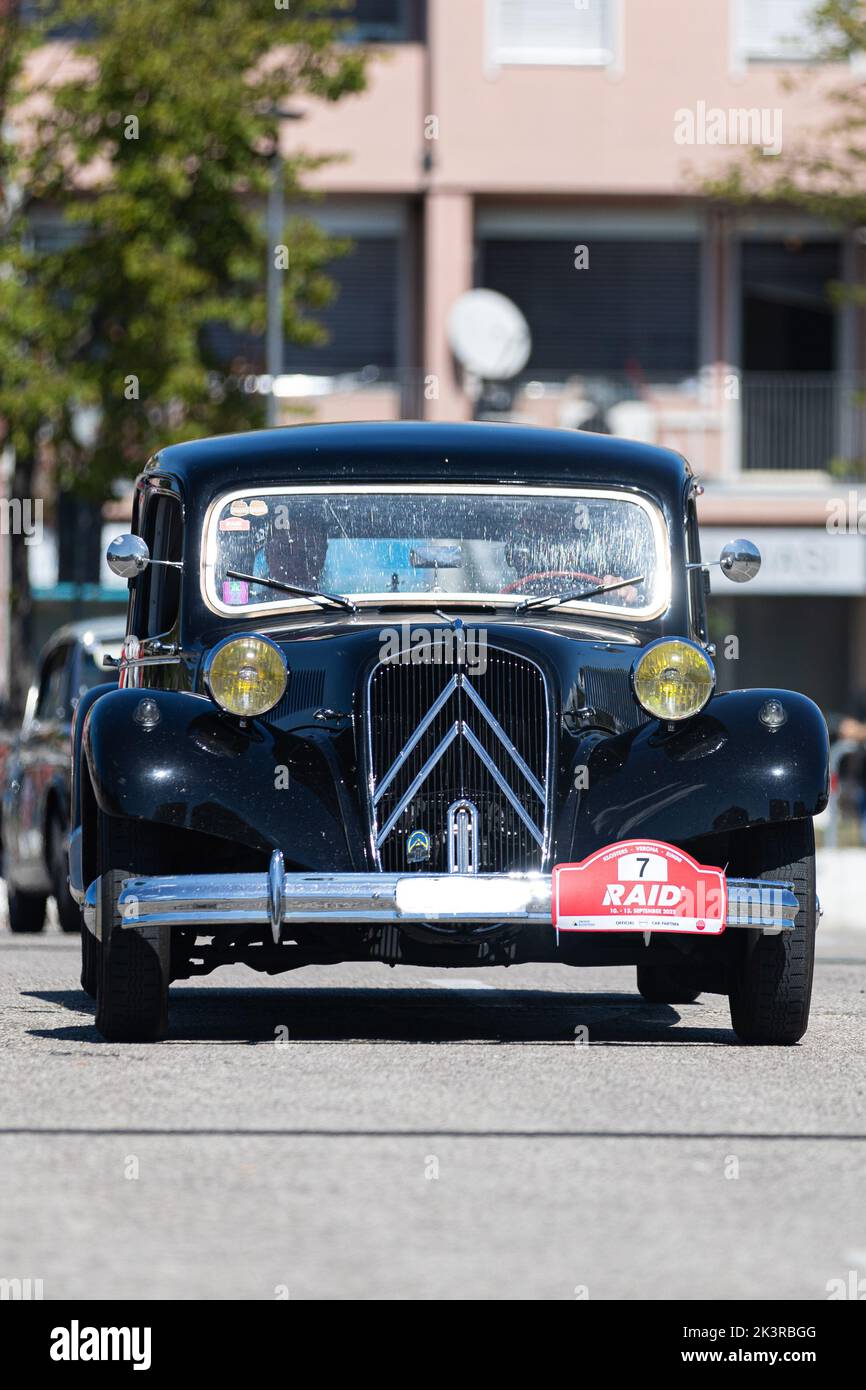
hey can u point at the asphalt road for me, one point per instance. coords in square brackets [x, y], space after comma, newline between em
[428, 1134]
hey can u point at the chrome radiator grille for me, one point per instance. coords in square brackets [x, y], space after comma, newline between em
[609, 689]
[440, 736]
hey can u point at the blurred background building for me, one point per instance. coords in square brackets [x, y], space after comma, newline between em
[530, 147]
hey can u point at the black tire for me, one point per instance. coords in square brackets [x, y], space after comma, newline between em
[68, 911]
[663, 984]
[133, 962]
[90, 953]
[771, 984]
[26, 911]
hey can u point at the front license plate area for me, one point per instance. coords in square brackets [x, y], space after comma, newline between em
[640, 886]
[445, 896]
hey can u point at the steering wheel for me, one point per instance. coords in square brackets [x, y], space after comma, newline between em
[517, 586]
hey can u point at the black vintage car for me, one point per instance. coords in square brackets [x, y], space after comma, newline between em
[440, 695]
[36, 773]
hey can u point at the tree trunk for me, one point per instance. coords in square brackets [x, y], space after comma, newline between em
[20, 597]
[10, 25]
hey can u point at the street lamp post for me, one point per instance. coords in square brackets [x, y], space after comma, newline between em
[274, 341]
[276, 220]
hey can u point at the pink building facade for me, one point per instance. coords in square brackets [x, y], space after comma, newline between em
[557, 151]
[500, 136]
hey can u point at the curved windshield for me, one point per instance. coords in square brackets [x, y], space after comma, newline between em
[386, 544]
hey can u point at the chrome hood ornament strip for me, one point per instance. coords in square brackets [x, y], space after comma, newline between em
[462, 837]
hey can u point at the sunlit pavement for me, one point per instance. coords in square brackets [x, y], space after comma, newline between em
[359, 1132]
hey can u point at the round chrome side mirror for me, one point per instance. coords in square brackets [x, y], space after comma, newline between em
[127, 556]
[740, 561]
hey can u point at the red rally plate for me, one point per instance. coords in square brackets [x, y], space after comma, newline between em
[640, 885]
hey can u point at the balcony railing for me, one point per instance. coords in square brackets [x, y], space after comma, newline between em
[805, 421]
[725, 422]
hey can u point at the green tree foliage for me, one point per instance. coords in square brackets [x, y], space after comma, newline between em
[155, 143]
[151, 142]
[822, 170]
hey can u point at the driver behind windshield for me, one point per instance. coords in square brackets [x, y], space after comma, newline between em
[550, 558]
[273, 550]
[294, 556]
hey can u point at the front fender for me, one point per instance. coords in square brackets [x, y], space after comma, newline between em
[85, 703]
[721, 771]
[199, 769]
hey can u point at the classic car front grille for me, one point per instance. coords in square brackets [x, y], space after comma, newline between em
[608, 689]
[442, 734]
[304, 691]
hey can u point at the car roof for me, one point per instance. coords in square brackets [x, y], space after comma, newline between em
[423, 451]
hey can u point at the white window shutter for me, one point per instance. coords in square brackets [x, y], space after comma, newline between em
[778, 29]
[551, 31]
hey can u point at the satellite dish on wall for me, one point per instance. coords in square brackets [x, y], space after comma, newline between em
[489, 335]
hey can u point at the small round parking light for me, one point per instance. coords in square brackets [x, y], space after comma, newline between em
[246, 675]
[773, 714]
[146, 713]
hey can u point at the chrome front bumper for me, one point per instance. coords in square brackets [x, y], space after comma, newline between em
[213, 902]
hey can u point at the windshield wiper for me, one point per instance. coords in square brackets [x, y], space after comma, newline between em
[551, 600]
[317, 594]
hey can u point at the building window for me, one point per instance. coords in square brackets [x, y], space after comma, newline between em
[360, 322]
[371, 21]
[553, 31]
[40, 12]
[778, 31]
[382, 21]
[635, 314]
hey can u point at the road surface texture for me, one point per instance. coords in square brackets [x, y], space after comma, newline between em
[357, 1132]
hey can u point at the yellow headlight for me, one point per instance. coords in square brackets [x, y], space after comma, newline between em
[246, 675]
[673, 678]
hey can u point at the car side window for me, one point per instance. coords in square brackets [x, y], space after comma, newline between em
[157, 591]
[53, 699]
[697, 578]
